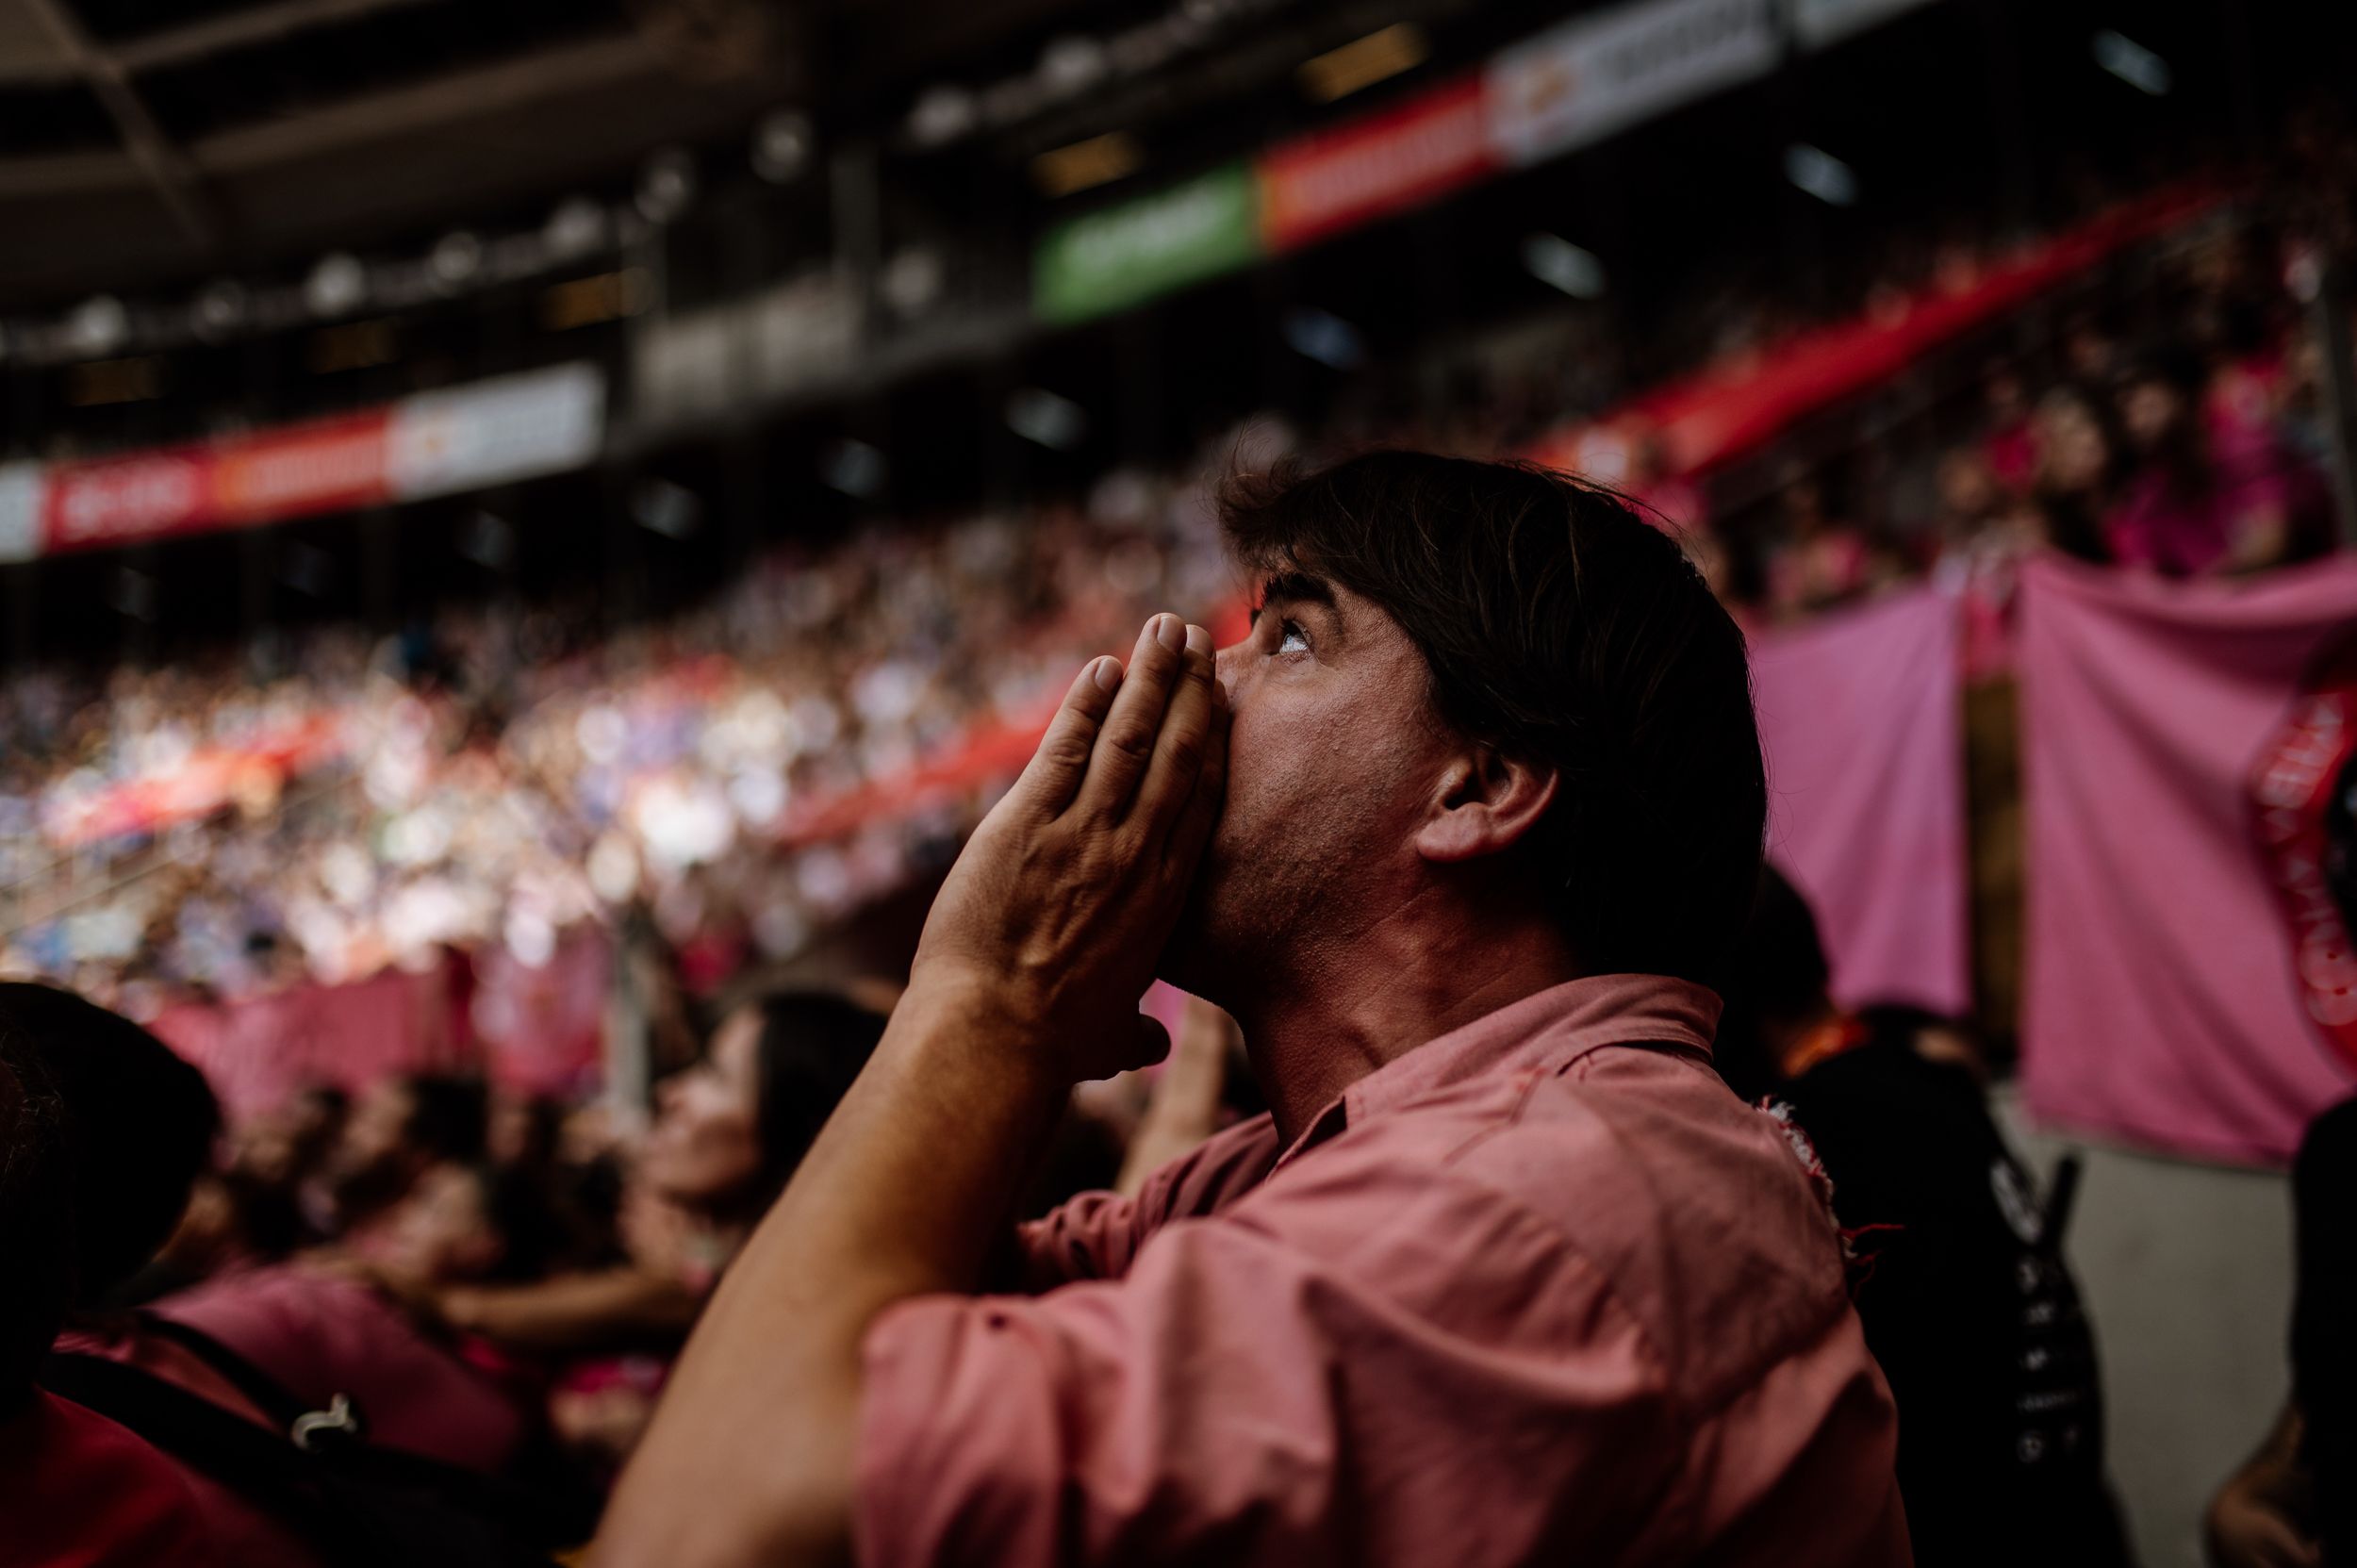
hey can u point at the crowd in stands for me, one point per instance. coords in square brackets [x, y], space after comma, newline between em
[502, 778]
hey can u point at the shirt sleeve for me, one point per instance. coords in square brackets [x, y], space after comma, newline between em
[1287, 1382]
[1096, 1235]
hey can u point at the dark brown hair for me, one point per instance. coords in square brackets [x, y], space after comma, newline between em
[1564, 630]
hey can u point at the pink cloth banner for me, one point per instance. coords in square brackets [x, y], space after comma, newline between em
[542, 1026]
[258, 1050]
[1859, 717]
[2185, 971]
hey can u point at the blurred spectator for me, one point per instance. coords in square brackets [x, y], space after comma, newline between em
[1968, 1304]
[2076, 472]
[398, 1129]
[74, 1487]
[728, 1132]
[1817, 559]
[2211, 489]
[321, 1327]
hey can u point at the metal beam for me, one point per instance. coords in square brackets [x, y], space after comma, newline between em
[168, 170]
[255, 25]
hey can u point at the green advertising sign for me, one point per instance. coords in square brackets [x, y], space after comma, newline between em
[1132, 252]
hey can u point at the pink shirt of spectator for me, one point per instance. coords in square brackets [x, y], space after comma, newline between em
[320, 1336]
[1541, 1291]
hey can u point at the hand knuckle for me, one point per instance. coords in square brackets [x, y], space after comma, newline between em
[1130, 741]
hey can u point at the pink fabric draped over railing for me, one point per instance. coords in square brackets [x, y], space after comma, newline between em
[536, 1029]
[1859, 717]
[2186, 976]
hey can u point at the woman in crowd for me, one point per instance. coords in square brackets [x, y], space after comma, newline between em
[727, 1133]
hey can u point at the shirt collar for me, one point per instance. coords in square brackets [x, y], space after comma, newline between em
[1552, 1029]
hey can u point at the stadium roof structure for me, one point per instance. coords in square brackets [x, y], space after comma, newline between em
[141, 139]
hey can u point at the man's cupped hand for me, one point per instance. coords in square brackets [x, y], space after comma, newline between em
[1053, 918]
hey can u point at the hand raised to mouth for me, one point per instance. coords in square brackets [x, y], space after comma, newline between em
[1056, 912]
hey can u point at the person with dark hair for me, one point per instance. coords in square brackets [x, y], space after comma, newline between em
[326, 1324]
[1968, 1304]
[1460, 834]
[397, 1129]
[133, 1166]
[2211, 491]
[79, 1200]
[36, 1206]
[728, 1132]
[2077, 473]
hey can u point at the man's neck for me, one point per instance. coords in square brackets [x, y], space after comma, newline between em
[1340, 1015]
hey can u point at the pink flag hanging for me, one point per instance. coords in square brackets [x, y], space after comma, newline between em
[2187, 983]
[1858, 713]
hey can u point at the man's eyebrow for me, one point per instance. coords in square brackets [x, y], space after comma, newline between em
[1298, 587]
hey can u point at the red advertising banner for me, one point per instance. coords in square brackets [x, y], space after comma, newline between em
[436, 443]
[1317, 185]
[319, 467]
[1725, 410]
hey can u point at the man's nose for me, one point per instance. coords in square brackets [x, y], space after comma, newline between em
[1224, 667]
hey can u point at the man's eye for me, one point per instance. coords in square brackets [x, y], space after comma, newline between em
[1290, 638]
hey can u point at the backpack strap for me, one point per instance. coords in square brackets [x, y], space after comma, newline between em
[264, 1391]
[360, 1506]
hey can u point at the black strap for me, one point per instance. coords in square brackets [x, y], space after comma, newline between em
[360, 1508]
[545, 1496]
[265, 1393]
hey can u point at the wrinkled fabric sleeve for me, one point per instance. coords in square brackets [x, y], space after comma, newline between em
[1095, 1235]
[1286, 1383]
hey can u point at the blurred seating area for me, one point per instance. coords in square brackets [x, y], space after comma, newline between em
[753, 768]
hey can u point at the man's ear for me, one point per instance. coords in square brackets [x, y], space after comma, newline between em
[1485, 802]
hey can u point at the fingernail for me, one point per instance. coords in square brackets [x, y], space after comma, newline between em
[1106, 674]
[1171, 632]
[1198, 640]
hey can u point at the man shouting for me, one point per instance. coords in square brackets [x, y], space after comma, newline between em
[1460, 834]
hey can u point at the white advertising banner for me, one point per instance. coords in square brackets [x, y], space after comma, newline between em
[494, 432]
[1817, 23]
[1581, 82]
[22, 488]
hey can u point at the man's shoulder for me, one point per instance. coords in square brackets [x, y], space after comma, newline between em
[1636, 1163]
[1212, 1175]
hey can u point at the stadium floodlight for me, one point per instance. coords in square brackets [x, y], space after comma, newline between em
[98, 327]
[455, 259]
[1039, 416]
[913, 279]
[218, 310]
[336, 285]
[131, 593]
[307, 569]
[666, 185]
[942, 115]
[1071, 65]
[1363, 62]
[576, 227]
[1560, 264]
[853, 468]
[782, 146]
[1822, 174]
[2133, 63]
[662, 507]
[1322, 336]
[488, 540]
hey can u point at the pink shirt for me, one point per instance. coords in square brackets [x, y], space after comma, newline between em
[318, 1336]
[1541, 1291]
